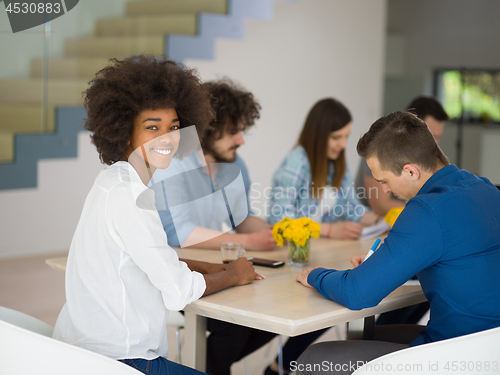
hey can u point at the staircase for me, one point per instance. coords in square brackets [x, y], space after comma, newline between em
[179, 29]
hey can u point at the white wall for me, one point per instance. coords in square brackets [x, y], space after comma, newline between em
[440, 33]
[42, 220]
[471, 146]
[312, 49]
[443, 34]
[490, 139]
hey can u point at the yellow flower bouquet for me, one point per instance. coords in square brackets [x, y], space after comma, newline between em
[392, 215]
[297, 232]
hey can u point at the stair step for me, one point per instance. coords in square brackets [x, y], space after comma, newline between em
[6, 147]
[71, 68]
[147, 25]
[60, 92]
[114, 46]
[24, 118]
[17, 119]
[152, 7]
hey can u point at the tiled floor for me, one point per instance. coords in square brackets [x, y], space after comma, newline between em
[30, 286]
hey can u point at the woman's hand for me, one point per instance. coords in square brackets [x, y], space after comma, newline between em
[215, 267]
[238, 272]
[261, 240]
[204, 268]
[369, 218]
[243, 270]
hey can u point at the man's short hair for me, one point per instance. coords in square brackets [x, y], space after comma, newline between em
[424, 106]
[233, 106]
[401, 138]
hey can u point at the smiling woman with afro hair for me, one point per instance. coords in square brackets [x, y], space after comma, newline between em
[122, 278]
[121, 91]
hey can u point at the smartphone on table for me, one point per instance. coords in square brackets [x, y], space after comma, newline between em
[266, 262]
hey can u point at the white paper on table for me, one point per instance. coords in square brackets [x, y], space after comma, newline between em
[375, 230]
[412, 282]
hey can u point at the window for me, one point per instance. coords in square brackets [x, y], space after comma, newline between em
[472, 92]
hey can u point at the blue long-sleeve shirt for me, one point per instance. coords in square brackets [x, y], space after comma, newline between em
[449, 236]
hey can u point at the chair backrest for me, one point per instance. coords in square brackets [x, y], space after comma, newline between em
[25, 353]
[25, 321]
[477, 353]
[175, 319]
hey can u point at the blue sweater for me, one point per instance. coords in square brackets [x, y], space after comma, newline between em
[449, 236]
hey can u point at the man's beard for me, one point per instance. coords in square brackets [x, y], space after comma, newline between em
[219, 157]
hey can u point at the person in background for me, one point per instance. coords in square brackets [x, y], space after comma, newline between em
[236, 110]
[122, 278]
[314, 181]
[203, 226]
[448, 235]
[427, 108]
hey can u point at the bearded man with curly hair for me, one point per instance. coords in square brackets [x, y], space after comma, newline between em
[236, 111]
[206, 226]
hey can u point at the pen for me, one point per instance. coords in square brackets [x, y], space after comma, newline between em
[373, 248]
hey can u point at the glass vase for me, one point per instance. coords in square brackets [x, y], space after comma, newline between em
[298, 256]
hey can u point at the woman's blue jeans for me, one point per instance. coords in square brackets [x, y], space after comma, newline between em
[159, 366]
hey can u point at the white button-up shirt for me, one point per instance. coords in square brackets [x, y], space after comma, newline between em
[121, 275]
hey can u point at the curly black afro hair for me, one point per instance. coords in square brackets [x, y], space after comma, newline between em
[119, 92]
[232, 104]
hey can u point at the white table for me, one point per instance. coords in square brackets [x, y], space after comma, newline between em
[278, 303]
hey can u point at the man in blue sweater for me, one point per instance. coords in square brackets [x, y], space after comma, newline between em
[448, 235]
